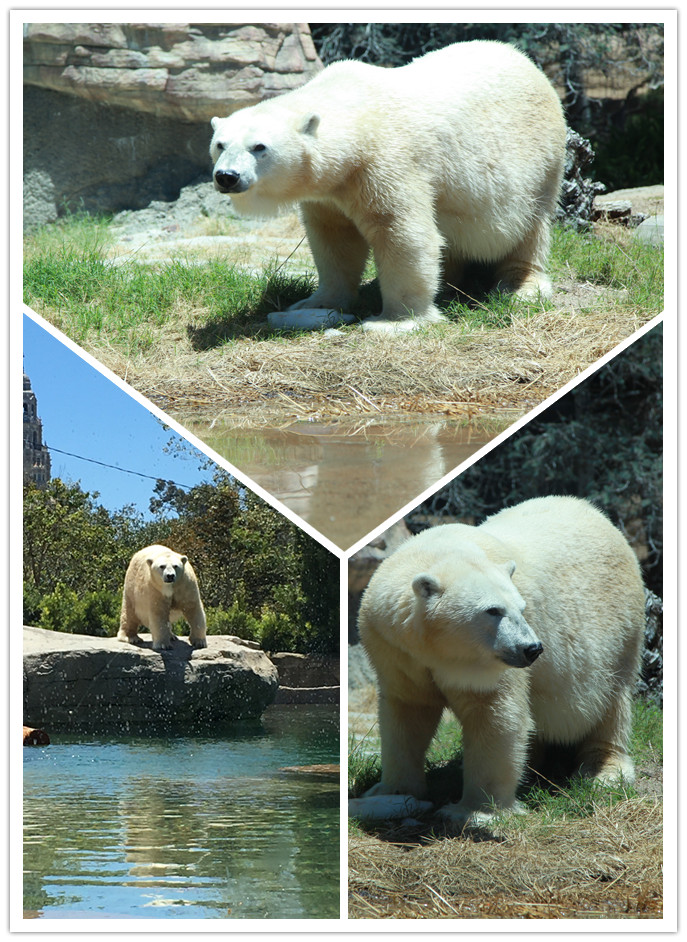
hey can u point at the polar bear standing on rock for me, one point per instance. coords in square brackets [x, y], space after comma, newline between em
[456, 157]
[528, 627]
[160, 587]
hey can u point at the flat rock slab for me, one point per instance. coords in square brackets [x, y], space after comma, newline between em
[81, 682]
[310, 318]
[386, 807]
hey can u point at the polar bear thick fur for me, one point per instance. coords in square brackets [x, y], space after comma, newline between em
[456, 157]
[528, 627]
[160, 587]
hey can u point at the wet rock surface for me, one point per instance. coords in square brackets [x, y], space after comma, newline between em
[307, 678]
[81, 682]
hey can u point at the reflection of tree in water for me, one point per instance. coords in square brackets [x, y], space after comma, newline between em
[200, 827]
[258, 848]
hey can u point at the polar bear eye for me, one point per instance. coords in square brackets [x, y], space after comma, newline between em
[219, 145]
[496, 612]
[258, 148]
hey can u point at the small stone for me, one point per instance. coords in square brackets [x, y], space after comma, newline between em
[650, 231]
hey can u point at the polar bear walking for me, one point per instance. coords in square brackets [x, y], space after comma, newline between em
[160, 587]
[456, 157]
[528, 627]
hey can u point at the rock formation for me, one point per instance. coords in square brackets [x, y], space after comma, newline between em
[123, 110]
[307, 678]
[81, 682]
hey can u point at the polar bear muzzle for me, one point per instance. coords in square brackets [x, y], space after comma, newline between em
[229, 181]
[516, 644]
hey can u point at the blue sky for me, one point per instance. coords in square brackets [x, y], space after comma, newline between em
[86, 414]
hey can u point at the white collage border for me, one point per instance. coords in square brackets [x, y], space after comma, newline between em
[12, 568]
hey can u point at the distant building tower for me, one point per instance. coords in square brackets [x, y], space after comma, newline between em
[36, 455]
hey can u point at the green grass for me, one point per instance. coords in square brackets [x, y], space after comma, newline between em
[68, 276]
[576, 796]
[623, 263]
[88, 294]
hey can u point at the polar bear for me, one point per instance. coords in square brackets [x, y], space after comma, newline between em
[456, 157]
[160, 587]
[528, 627]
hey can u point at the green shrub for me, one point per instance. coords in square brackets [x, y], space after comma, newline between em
[60, 610]
[99, 613]
[96, 613]
[31, 604]
[233, 621]
[276, 632]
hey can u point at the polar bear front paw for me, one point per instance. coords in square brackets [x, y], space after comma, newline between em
[401, 325]
[198, 642]
[459, 814]
[164, 644]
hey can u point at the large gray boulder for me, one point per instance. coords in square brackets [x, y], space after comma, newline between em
[80, 682]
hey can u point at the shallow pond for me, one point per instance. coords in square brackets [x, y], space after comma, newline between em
[181, 827]
[345, 478]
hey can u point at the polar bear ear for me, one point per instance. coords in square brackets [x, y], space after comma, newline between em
[184, 560]
[510, 567]
[150, 560]
[311, 124]
[214, 122]
[424, 586]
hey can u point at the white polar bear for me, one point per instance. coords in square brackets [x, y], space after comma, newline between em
[529, 627]
[160, 587]
[456, 157]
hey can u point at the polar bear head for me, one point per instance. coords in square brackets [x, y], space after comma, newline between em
[166, 567]
[466, 603]
[259, 157]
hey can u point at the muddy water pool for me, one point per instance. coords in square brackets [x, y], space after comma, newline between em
[185, 827]
[345, 478]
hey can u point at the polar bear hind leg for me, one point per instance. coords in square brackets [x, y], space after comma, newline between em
[523, 271]
[603, 754]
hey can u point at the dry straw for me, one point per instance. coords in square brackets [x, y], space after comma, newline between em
[447, 372]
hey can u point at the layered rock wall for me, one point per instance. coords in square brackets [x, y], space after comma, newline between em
[117, 115]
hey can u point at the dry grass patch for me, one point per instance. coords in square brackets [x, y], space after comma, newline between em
[606, 865]
[442, 371]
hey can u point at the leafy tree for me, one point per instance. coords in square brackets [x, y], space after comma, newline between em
[261, 577]
[71, 540]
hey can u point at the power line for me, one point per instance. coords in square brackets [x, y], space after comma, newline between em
[114, 467]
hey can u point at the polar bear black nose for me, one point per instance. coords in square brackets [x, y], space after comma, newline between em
[227, 179]
[532, 652]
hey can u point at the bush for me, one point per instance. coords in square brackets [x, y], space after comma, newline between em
[232, 621]
[97, 613]
[31, 604]
[59, 610]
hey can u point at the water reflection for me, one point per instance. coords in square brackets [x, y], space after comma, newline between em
[345, 478]
[181, 827]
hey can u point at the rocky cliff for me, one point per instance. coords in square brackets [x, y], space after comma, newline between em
[117, 115]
